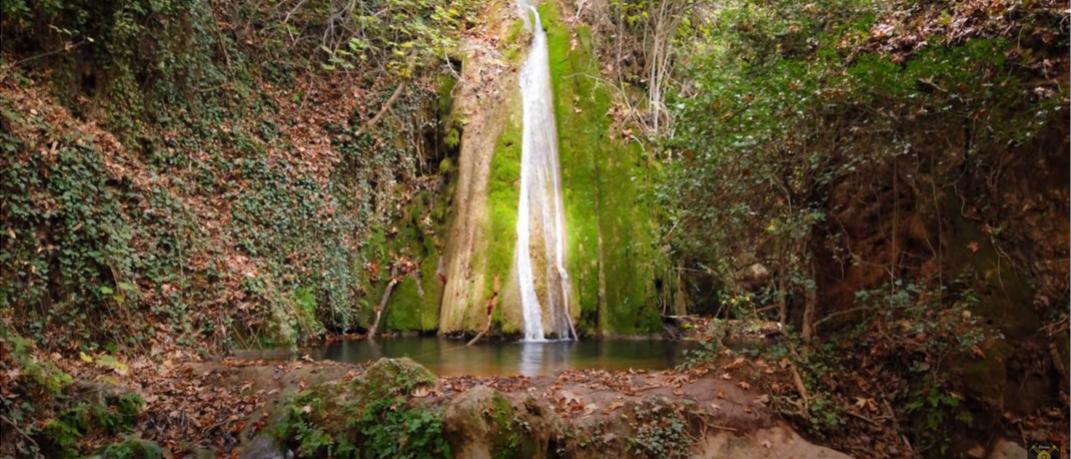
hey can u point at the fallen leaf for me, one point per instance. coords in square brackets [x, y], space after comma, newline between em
[739, 361]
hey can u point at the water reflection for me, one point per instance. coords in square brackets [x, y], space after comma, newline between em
[449, 358]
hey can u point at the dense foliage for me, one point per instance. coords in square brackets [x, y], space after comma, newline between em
[178, 186]
[785, 104]
[368, 417]
[840, 168]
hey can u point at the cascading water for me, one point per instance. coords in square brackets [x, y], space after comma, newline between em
[541, 199]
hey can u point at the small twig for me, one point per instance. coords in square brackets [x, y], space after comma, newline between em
[864, 418]
[797, 380]
[383, 301]
[382, 111]
[490, 310]
[1058, 362]
[292, 11]
[890, 414]
[20, 431]
[19, 62]
[838, 314]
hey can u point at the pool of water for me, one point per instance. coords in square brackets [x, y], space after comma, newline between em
[452, 358]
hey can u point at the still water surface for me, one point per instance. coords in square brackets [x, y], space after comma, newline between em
[451, 358]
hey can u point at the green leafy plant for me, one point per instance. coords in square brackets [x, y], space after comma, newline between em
[661, 430]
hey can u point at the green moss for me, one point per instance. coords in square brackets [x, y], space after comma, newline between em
[33, 373]
[366, 417]
[452, 140]
[985, 378]
[60, 436]
[59, 439]
[132, 447]
[414, 302]
[516, 41]
[606, 185]
[509, 439]
[398, 376]
[445, 94]
[305, 312]
[447, 165]
[503, 195]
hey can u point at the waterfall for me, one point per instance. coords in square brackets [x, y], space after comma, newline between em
[540, 210]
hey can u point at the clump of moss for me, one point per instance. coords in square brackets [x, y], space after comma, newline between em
[366, 417]
[29, 394]
[117, 413]
[396, 376]
[132, 447]
[36, 377]
[510, 440]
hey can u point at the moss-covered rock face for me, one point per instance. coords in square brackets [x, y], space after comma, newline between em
[502, 200]
[481, 235]
[610, 222]
[417, 237]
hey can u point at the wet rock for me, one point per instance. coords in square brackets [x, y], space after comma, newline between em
[1005, 449]
[985, 379]
[483, 423]
[264, 447]
[753, 276]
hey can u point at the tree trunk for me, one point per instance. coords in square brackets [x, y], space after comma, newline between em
[810, 302]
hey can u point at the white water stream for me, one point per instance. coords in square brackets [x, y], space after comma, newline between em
[540, 214]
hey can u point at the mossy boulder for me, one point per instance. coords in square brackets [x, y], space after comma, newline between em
[396, 376]
[483, 423]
